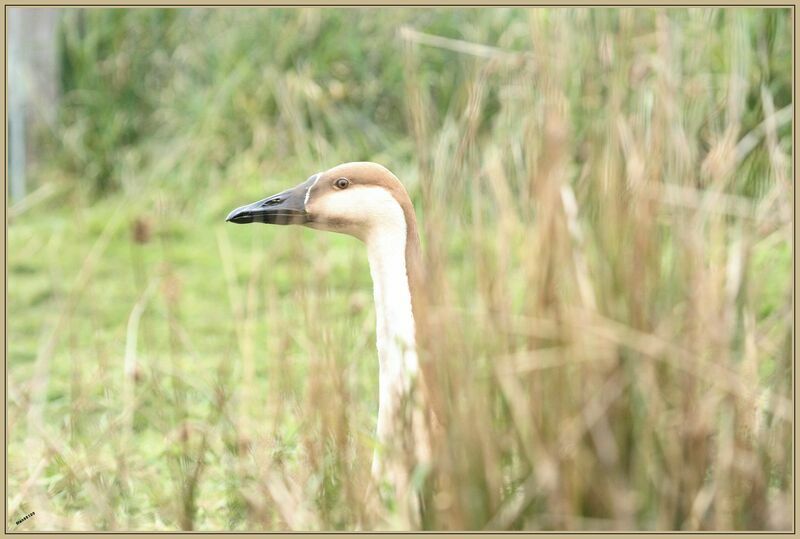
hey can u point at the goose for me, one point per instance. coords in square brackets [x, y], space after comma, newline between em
[367, 201]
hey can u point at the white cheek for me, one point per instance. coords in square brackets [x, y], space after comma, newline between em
[357, 211]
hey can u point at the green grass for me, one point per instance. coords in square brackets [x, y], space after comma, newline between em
[607, 364]
[83, 393]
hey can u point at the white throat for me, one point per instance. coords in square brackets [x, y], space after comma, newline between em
[374, 215]
[386, 249]
[399, 365]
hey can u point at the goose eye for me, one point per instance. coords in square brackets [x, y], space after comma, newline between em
[342, 183]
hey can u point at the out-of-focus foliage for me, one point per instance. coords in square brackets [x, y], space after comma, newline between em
[605, 206]
[209, 85]
[143, 87]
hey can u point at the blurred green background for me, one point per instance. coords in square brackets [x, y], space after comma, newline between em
[169, 371]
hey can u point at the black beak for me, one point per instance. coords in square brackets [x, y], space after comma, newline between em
[286, 208]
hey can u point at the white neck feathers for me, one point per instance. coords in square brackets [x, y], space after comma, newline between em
[386, 249]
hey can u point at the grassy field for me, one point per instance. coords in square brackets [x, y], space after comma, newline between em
[605, 199]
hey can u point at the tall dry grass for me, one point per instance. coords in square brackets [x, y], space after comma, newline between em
[607, 371]
[606, 219]
[593, 340]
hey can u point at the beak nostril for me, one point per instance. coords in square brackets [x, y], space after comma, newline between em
[272, 202]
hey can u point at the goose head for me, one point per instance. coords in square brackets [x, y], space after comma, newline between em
[360, 199]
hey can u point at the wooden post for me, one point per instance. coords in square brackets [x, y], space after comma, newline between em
[33, 86]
